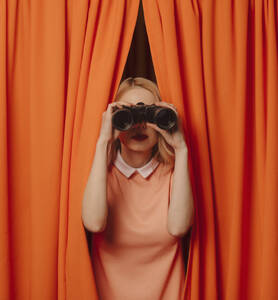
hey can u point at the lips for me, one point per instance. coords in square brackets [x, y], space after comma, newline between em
[140, 137]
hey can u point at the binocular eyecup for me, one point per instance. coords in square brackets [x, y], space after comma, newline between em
[124, 118]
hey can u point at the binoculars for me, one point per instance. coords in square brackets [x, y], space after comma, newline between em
[124, 118]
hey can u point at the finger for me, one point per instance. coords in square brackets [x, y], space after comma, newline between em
[111, 107]
[169, 105]
[166, 103]
[112, 104]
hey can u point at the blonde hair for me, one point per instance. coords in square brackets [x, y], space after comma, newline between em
[162, 151]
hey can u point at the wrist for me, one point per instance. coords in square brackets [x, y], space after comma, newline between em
[182, 148]
[102, 142]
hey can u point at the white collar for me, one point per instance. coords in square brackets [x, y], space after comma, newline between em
[127, 170]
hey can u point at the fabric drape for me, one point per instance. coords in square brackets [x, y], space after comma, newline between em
[217, 62]
[60, 64]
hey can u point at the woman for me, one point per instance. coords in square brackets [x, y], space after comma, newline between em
[138, 203]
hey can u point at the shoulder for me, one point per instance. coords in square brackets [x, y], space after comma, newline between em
[164, 172]
[166, 168]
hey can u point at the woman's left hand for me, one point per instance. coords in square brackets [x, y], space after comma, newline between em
[175, 139]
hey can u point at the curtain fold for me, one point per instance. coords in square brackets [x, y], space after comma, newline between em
[60, 64]
[217, 61]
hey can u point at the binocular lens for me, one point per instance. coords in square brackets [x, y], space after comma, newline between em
[166, 119]
[122, 120]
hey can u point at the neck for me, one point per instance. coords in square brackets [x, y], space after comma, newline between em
[135, 159]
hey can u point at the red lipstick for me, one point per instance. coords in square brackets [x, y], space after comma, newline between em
[140, 137]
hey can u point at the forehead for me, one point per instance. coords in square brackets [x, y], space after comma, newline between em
[137, 94]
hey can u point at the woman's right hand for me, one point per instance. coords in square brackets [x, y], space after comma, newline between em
[107, 132]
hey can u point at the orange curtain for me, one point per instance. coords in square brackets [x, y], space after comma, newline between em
[60, 64]
[217, 61]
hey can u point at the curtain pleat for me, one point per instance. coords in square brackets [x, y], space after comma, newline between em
[60, 64]
[217, 61]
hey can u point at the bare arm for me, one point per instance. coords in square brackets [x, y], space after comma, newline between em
[94, 203]
[181, 208]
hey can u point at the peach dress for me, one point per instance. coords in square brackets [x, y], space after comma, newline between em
[135, 258]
